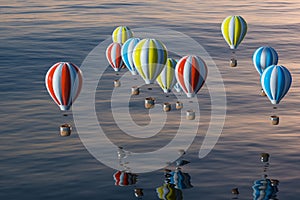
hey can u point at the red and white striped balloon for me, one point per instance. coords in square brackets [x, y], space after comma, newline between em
[114, 57]
[191, 73]
[64, 81]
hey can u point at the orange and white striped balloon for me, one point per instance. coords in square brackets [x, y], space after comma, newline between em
[191, 73]
[63, 82]
[114, 57]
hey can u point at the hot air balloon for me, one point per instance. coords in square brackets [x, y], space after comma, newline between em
[168, 192]
[113, 55]
[177, 87]
[123, 178]
[180, 180]
[64, 81]
[191, 73]
[234, 29]
[150, 57]
[126, 52]
[276, 81]
[121, 34]
[264, 57]
[166, 80]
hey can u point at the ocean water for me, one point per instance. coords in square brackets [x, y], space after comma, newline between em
[36, 163]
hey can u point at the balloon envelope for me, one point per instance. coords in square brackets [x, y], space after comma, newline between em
[264, 57]
[276, 81]
[167, 79]
[191, 73]
[121, 34]
[63, 82]
[234, 29]
[126, 52]
[150, 57]
[177, 87]
[113, 55]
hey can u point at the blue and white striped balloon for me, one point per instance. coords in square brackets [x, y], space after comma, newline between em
[276, 81]
[126, 52]
[177, 87]
[264, 57]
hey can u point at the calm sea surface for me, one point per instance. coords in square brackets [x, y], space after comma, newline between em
[36, 163]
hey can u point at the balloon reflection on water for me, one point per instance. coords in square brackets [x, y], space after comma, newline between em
[265, 188]
[174, 182]
[168, 192]
[180, 179]
[126, 177]
[123, 178]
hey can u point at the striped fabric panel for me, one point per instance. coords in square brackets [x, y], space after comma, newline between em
[179, 73]
[57, 83]
[188, 75]
[203, 71]
[159, 60]
[77, 84]
[145, 62]
[225, 31]
[49, 83]
[241, 29]
[170, 68]
[286, 78]
[265, 82]
[152, 58]
[136, 57]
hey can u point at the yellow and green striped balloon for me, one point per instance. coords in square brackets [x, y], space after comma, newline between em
[234, 29]
[121, 34]
[149, 58]
[167, 79]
